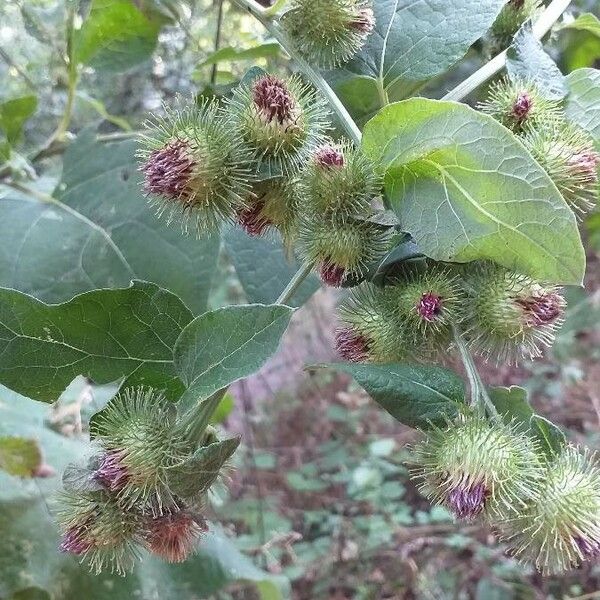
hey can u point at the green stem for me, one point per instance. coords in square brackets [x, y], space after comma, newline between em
[315, 78]
[540, 29]
[295, 282]
[480, 398]
[213, 73]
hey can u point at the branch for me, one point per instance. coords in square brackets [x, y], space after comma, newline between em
[540, 28]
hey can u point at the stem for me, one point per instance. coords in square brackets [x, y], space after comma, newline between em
[540, 28]
[213, 73]
[260, 500]
[479, 395]
[315, 78]
[295, 282]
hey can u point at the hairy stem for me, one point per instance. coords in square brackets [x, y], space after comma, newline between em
[295, 282]
[315, 78]
[540, 29]
[479, 395]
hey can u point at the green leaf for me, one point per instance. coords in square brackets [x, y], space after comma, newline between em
[586, 22]
[103, 335]
[582, 44]
[416, 395]
[266, 50]
[99, 107]
[198, 473]
[19, 456]
[526, 60]
[583, 102]
[513, 405]
[466, 188]
[412, 41]
[223, 409]
[552, 437]
[222, 346]
[13, 114]
[263, 268]
[99, 232]
[115, 36]
[30, 557]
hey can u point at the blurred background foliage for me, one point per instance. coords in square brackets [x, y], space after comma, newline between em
[320, 496]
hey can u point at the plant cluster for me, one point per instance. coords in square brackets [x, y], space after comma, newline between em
[274, 168]
[546, 508]
[146, 484]
[566, 151]
[443, 220]
[262, 159]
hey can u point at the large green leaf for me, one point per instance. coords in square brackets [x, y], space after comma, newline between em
[99, 232]
[29, 556]
[466, 188]
[115, 36]
[413, 40]
[263, 268]
[583, 102]
[526, 60]
[416, 395]
[582, 44]
[222, 346]
[103, 335]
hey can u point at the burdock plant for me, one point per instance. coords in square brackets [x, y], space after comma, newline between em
[520, 104]
[509, 315]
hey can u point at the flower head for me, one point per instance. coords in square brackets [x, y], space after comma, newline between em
[169, 170]
[477, 467]
[328, 156]
[427, 303]
[328, 32]
[340, 248]
[568, 155]
[112, 472]
[519, 104]
[136, 432]
[174, 536]
[560, 527]
[99, 530]
[194, 168]
[364, 22]
[510, 315]
[272, 204]
[273, 99]
[278, 121]
[369, 330]
[339, 179]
